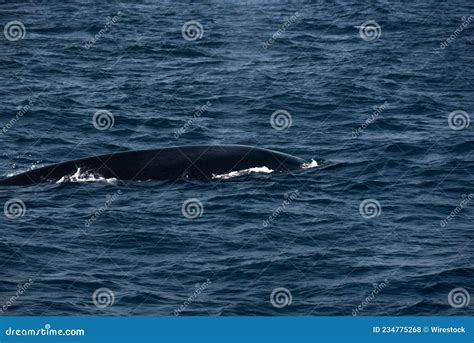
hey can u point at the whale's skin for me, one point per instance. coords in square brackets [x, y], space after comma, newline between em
[184, 162]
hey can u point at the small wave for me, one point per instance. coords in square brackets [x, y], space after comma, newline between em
[242, 172]
[84, 176]
[33, 166]
[309, 165]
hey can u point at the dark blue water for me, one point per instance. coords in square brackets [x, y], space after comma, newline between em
[373, 113]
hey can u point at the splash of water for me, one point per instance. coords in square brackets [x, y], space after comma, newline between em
[84, 176]
[309, 165]
[242, 172]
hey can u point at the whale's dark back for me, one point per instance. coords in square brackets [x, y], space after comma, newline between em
[195, 162]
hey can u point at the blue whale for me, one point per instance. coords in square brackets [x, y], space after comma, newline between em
[182, 162]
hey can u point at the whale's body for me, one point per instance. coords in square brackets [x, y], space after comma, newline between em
[187, 162]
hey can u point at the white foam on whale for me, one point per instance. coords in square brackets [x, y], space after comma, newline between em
[237, 173]
[85, 176]
[309, 165]
[265, 170]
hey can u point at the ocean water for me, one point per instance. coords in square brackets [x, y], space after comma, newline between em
[379, 93]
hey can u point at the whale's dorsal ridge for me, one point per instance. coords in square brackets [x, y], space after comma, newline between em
[169, 163]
